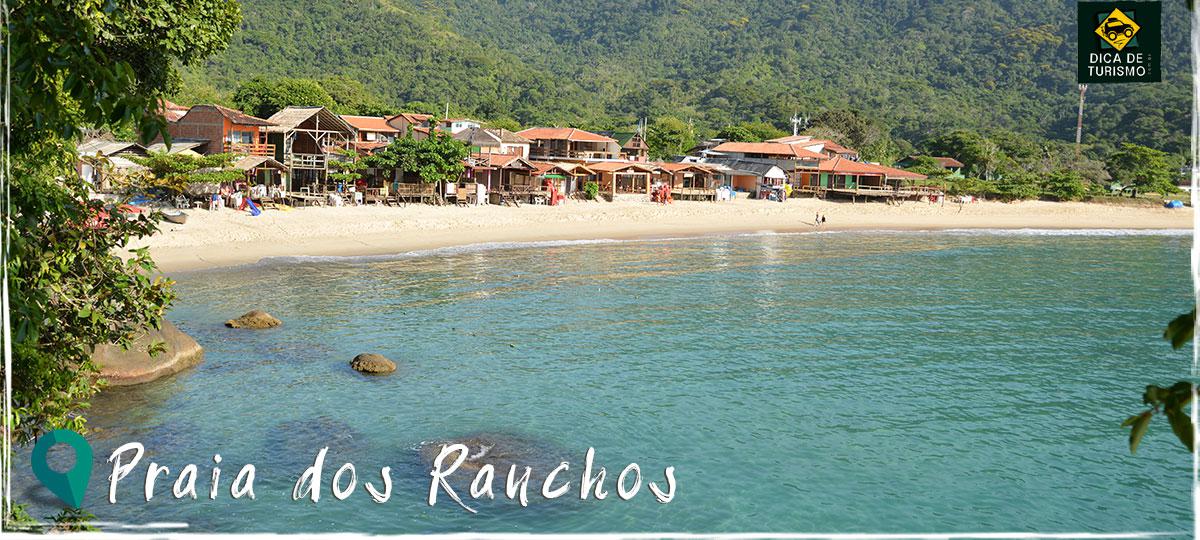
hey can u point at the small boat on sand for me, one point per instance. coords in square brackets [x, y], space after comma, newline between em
[178, 218]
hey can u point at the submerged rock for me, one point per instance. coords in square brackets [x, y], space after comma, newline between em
[136, 366]
[294, 444]
[374, 364]
[500, 450]
[256, 319]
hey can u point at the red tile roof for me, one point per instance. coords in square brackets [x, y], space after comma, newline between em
[949, 162]
[893, 172]
[840, 165]
[368, 145]
[171, 111]
[564, 134]
[369, 123]
[788, 151]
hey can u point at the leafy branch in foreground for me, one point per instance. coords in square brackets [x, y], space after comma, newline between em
[78, 65]
[1171, 401]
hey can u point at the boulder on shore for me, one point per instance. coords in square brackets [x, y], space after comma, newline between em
[136, 366]
[256, 319]
[371, 363]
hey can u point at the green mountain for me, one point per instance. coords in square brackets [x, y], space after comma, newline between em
[918, 68]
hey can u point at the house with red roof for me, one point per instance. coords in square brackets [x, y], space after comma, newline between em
[416, 122]
[215, 129]
[170, 111]
[820, 146]
[373, 131]
[494, 141]
[550, 143]
[500, 171]
[789, 157]
[841, 175]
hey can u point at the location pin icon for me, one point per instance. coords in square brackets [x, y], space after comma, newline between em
[71, 485]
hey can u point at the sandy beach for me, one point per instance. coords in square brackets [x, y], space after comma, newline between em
[227, 237]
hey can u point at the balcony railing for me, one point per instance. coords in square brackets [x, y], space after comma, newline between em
[250, 149]
[307, 161]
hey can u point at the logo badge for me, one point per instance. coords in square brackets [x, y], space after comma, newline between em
[1120, 42]
[68, 486]
[1117, 29]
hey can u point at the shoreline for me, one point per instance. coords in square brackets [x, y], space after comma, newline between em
[228, 238]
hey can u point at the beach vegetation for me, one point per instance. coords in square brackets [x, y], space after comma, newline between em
[1147, 169]
[346, 166]
[175, 172]
[668, 136]
[1018, 187]
[929, 167]
[591, 190]
[85, 65]
[1064, 185]
[436, 158]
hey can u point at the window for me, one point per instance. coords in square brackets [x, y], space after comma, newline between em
[370, 136]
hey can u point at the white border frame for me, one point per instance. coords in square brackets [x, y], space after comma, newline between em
[6, 333]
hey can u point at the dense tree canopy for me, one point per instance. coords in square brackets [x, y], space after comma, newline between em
[911, 69]
[77, 65]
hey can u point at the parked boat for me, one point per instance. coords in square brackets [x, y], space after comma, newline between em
[175, 217]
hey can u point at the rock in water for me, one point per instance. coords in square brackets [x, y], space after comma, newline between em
[255, 319]
[375, 364]
[136, 366]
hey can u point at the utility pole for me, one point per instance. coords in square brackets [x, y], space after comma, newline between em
[1079, 123]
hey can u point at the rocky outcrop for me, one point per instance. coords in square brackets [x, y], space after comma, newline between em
[256, 319]
[373, 364]
[136, 366]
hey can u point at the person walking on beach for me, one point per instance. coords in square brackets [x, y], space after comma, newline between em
[817, 220]
[822, 220]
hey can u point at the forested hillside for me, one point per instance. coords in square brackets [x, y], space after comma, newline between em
[916, 68]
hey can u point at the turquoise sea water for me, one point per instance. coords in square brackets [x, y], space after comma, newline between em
[837, 382]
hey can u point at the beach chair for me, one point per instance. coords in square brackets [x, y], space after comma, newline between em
[461, 197]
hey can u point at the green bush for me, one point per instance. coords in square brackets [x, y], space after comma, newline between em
[969, 186]
[1065, 186]
[592, 190]
[1017, 188]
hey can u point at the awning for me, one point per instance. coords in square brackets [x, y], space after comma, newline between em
[247, 163]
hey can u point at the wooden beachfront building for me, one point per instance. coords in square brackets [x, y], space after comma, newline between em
[373, 132]
[500, 171]
[305, 140]
[689, 181]
[213, 129]
[494, 141]
[569, 177]
[844, 177]
[624, 177]
[263, 170]
[549, 144]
